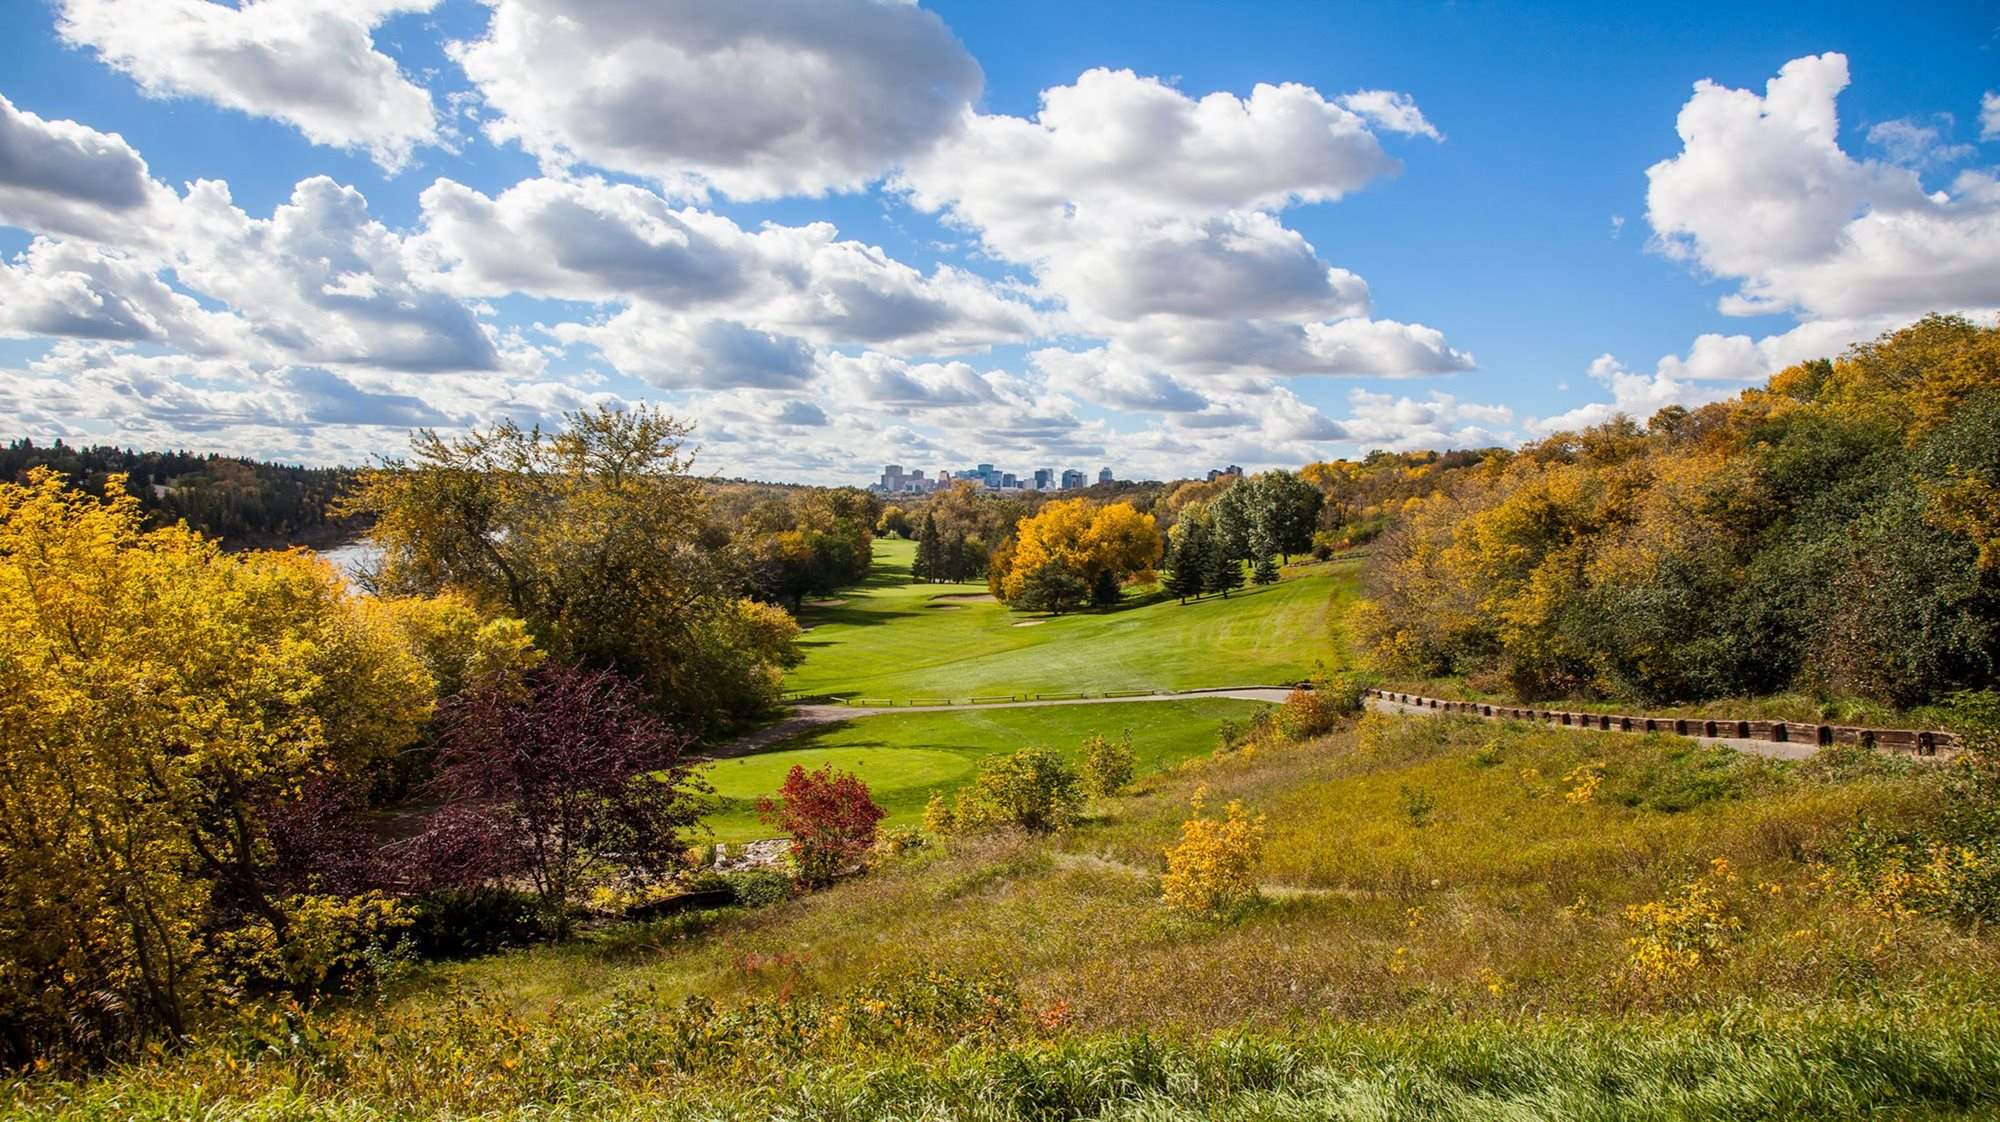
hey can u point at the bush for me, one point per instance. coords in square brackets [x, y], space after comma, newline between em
[759, 888]
[1235, 734]
[1307, 713]
[1211, 871]
[1034, 789]
[830, 818]
[464, 924]
[329, 943]
[1107, 765]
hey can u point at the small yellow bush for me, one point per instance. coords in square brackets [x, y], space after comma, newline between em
[1585, 779]
[1211, 871]
[1694, 927]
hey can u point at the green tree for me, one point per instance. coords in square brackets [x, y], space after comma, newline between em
[592, 535]
[1052, 588]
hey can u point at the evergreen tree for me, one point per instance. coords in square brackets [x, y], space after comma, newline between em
[959, 564]
[1265, 571]
[1104, 591]
[1187, 560]
[1224, 573]
[1052, 588]
[925, 568]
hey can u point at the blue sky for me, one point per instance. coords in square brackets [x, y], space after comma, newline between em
[839, 233]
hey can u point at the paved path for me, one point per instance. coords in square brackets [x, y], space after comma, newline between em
[809, 716]
[1777, 750]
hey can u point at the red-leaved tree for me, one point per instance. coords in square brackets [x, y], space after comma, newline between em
[830, 818]
[551, 779]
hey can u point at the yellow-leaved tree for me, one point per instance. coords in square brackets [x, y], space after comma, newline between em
[161, 702]
[1073, 548]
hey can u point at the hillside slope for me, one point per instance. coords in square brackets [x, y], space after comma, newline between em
[1460, 920]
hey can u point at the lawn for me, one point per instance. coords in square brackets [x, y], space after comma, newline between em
[903, 757]
[893, 639]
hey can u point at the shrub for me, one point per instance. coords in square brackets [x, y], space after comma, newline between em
[557, 782]
[328, 942]
[830, 818]
[759, 888]
[1235, 734]
[1305, 714]
[464, 924]
[1695, 926]
[898, 841]
[938, 817]
[1107, 764]
[1034, 789]
[1343, 692]
[1211, 871]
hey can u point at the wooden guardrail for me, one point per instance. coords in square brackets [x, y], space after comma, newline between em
[1914, 742]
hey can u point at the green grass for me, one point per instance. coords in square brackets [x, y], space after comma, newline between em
[895, 639]
[905, 756]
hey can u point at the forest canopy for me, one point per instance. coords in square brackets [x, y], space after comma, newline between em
[1836, 530]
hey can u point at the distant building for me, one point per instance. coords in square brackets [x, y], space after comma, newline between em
[1104, 475]
[1072, 479]
[1010, 481]
[1045, 478]
[1217, 473]
[892, 478]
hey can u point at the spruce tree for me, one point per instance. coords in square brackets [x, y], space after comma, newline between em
[1187, 561]
[1224, 574]
[925, 568]
[1265, 571]
[1104, 591]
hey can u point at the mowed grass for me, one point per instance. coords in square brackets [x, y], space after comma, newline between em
[893, 639]
[905, 756]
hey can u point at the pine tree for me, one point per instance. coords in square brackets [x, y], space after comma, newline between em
[957, 563]
[925, 568]
[1265, 571]
[1104, 591]
[1224, 574]
[1187, 561]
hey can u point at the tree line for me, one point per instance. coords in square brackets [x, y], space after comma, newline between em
[246, 503]
[1835, 531]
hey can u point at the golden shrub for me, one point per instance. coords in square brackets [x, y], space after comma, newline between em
[1212, 870]
[1695, 926]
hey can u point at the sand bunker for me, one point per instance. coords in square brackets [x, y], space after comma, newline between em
[1031, 623]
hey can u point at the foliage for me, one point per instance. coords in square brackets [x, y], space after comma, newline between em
[555, 782]
[161, 703]
[592, 535]
[1694, 927]
[1108, 764]
[464, 923]
[1050, 588]
[244, 503]
[1071, 544]
[830, 818]
[1211, 871]
[758, 888]
[813, 541]
[455, 643]
[1828, 532]
[328, 940]
[1034, 789]
[1307, 713]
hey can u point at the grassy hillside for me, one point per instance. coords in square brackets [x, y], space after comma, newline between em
[905, 756]
[891, 638]
[1460, 922]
